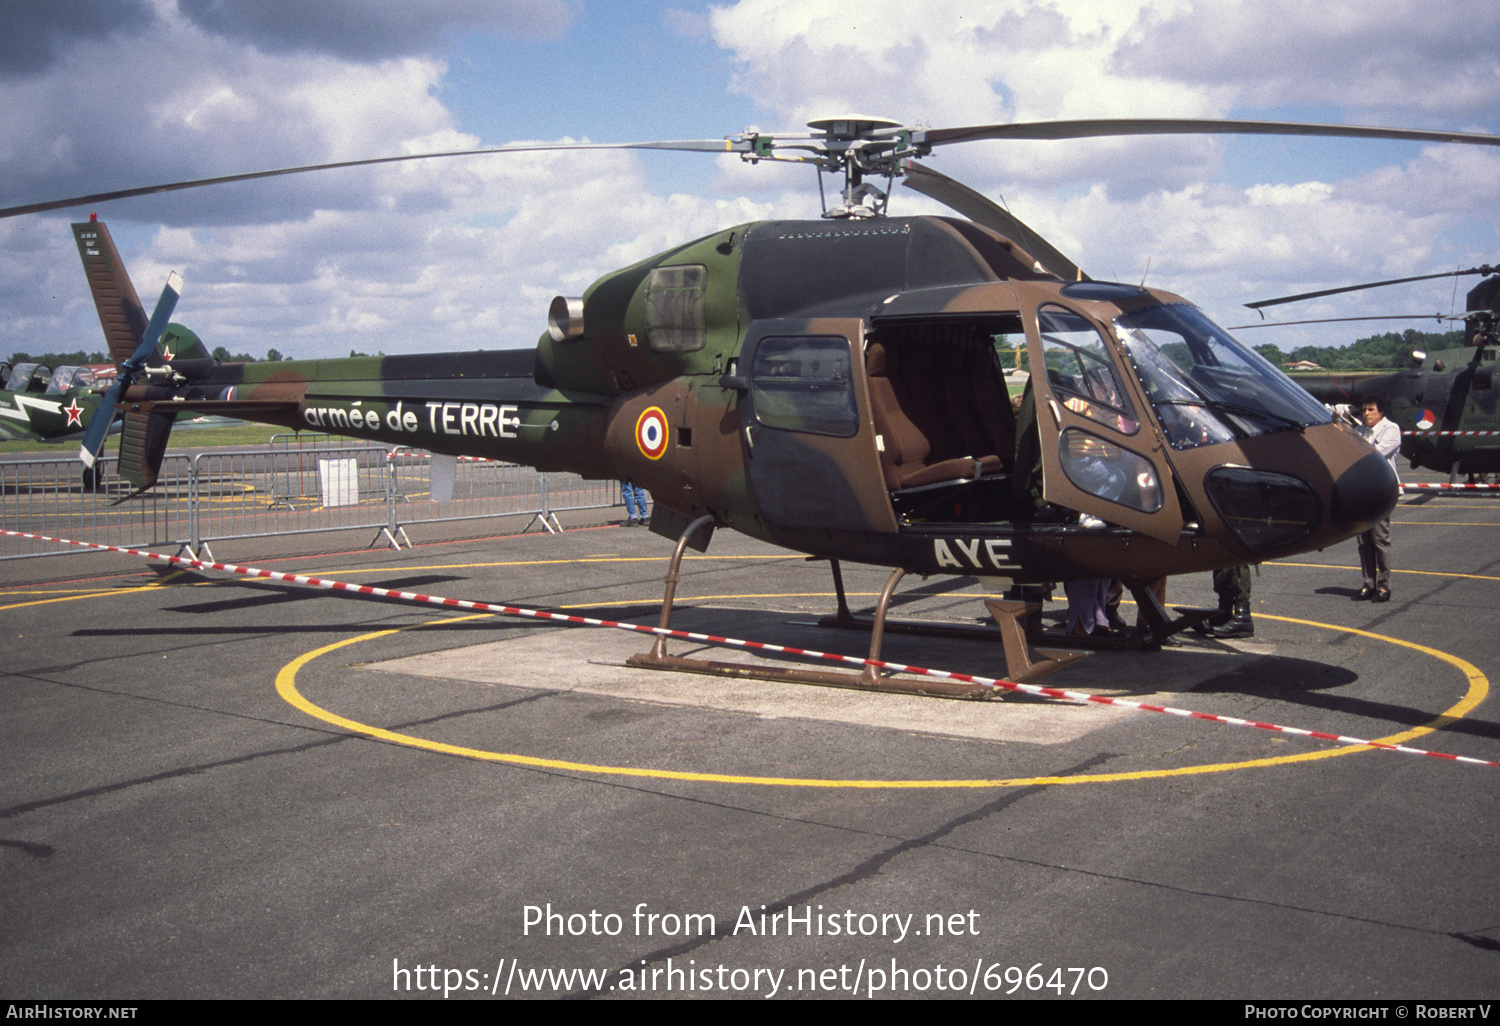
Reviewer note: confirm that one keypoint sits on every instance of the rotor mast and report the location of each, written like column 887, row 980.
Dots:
column 860, row 145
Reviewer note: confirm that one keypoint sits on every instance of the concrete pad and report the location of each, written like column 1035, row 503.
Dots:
column 592, row 662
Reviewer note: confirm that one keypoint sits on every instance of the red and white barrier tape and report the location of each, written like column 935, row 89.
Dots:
column 760, row 646
column 1441, row 487
column 1452, row 434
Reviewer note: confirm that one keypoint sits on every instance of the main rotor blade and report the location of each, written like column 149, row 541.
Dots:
column 1110, row 127
column 762, row 148
column 981, row 209
column 689, row 145
column 1483, row 269
column 1339, row 320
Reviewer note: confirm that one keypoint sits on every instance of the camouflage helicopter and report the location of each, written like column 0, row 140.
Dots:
column 831, row 386
column 1446, row 403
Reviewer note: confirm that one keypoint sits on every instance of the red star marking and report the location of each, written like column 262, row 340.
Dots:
column 166, row 354
column 74, row 411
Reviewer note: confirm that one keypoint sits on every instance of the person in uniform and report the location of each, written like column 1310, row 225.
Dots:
column 1233, row 619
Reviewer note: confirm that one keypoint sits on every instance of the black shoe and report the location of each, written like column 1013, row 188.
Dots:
column 1365, row 595
column 1238, row 625
column 1383, row 595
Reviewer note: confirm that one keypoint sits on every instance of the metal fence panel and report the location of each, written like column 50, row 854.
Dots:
column 489, row 488
column 283, row 489
column 569, row 491
column 47, row 497
column 258, row 494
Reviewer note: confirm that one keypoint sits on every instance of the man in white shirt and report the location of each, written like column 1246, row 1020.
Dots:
column 1375, row 544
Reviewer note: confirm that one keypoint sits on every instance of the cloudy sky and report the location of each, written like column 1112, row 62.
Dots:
column 466, row 253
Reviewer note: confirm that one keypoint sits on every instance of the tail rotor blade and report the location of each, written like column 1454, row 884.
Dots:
column 104, row 414
column 158, row 323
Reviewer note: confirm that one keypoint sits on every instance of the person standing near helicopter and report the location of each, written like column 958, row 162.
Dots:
column 1375, row 544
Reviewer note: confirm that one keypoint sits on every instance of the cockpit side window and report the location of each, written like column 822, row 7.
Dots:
column 804, row 384
column 1205, row 386
column 1081, row 372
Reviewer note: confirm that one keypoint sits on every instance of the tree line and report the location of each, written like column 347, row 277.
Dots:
column 1374, row 352
column 81, row 356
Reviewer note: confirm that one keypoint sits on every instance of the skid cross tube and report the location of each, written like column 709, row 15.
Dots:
column 868, row 679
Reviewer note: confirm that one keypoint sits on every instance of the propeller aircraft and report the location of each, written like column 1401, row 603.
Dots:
column 831, row 386
column 42, row 405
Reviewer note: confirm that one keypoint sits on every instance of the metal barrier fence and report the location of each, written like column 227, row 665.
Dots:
column 430, row 488
column 259, row 494
column 301, row 449
column 48, row 497
column 280, row 490
column 569, row 491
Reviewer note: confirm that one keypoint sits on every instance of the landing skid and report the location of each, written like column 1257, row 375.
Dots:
column 1023, row 663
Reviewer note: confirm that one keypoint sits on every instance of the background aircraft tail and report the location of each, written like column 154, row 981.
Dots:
column 133, row 346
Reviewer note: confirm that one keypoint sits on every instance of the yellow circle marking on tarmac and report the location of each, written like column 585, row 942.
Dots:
column 286, row 686
column 286, row 680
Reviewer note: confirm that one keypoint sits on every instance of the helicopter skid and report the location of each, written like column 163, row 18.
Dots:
column 1110, row 642
column 1023, row 663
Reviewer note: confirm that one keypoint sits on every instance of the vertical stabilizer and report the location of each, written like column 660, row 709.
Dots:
column 120, row 311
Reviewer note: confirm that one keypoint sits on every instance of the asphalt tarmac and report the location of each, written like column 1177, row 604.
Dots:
column 220, row 787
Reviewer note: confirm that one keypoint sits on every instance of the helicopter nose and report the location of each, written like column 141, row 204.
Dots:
column 1364, row 494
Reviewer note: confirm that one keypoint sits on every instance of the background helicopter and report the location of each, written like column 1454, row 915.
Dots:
column 831, row 386
column 1447, row 402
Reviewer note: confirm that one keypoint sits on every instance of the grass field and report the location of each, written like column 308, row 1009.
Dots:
column 182, row 437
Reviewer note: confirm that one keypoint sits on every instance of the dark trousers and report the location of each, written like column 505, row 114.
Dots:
column 1375, row 555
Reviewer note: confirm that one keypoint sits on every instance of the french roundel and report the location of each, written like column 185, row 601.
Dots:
column 651, row 433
